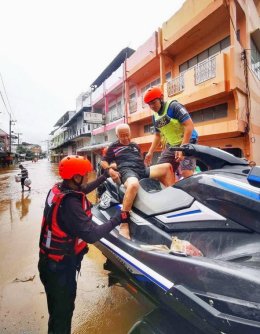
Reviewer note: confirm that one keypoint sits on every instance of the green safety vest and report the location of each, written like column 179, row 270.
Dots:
column 170, row 128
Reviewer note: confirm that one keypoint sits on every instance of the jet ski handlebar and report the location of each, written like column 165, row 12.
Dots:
column 212, row 157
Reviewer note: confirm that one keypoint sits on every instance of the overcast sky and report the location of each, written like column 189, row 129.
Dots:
column 52, row 50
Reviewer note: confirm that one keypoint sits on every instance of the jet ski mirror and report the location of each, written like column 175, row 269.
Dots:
column 254, row 176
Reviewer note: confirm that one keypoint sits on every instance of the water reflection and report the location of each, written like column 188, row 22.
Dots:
column 23, row 205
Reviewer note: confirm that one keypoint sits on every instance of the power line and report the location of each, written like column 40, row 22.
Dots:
column 11, row 112
column 5, row 104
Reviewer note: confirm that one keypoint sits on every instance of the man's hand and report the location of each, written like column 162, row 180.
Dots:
column 116, row 219
column 114, row 175
column 113, row 165
column 148, row 159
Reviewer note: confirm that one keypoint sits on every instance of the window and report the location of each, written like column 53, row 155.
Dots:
column 149, row 128
column 151, row 84
column 203, row 55
column 211, row 113
column 192, row 62
column 255, row 59
column 213, row 50
column 225, row 43
column 120, row 111
column 168, row 76
column 132, row 103
column 183, row 67
column 155, row 82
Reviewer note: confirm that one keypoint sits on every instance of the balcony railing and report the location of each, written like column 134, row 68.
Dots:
column 176, row 85
column 205, row 70
column 132, row 106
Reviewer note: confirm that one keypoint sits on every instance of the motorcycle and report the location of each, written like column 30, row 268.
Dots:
column 195, row 246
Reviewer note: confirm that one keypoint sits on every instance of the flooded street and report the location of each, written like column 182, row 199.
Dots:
column 23, row 309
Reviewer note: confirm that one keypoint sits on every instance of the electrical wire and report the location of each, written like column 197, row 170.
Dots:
column 5, row 104
column 11, row 112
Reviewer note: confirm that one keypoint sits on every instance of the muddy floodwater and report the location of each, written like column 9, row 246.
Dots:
column 23, row 309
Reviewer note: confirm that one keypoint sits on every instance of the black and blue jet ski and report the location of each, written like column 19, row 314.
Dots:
column 215, row 289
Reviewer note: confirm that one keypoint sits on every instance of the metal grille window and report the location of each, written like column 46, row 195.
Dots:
column 175, row 86
column 211, row 113
column 205, row 70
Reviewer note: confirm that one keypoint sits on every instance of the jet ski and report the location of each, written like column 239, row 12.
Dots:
column 195, row 246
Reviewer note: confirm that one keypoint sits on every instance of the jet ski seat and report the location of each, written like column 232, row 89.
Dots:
column 158, row 201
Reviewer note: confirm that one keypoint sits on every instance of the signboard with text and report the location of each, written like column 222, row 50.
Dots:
column 91, row 117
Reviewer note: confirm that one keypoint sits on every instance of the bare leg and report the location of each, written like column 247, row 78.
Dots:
column 163, row 173
column 132, row 186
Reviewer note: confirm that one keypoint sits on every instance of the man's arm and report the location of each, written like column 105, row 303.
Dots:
column 114, row 174
column 94, row 184
column 178, row 111
column 75, row 221
column 155, row 143
column 188, row 128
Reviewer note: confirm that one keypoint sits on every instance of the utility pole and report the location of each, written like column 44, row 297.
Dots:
column 11, row 122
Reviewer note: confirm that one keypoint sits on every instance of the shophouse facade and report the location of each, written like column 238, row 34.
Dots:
column 98, row 111
column 71, row 133
column 206, row 56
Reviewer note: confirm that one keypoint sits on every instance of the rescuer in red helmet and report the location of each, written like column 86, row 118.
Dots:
column 171, row 121
column 66, row 228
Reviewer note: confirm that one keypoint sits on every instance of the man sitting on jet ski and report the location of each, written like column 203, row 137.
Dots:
column 124, row 163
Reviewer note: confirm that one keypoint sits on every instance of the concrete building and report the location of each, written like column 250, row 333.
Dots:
column 206, row 56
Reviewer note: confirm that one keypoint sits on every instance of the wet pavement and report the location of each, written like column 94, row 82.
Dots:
column 23, row 309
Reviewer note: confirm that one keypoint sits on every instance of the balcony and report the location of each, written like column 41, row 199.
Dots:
column 109, row 126
column 138, row 111
column 175, row 85
column 206, row 81
column 205, row 70
column 132, row 106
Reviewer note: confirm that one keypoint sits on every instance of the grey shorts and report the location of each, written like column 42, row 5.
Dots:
column 188, row 163
column 168, row 156
column 139, row 174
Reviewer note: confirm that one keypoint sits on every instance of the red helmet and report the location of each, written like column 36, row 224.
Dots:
column 152, row 94
column 74, row 165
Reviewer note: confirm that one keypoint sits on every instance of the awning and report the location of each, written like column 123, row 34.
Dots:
column 94, row 147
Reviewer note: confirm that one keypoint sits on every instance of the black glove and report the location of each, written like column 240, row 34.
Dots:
column 116, row 219
column 106, row 173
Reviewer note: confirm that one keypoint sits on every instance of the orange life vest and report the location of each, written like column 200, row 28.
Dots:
column 54, row 242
